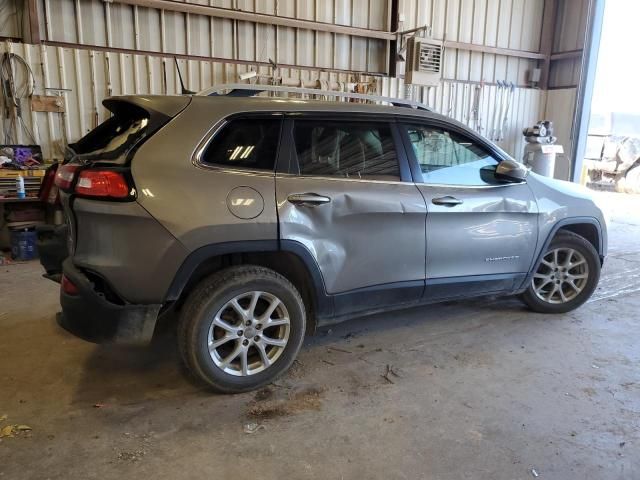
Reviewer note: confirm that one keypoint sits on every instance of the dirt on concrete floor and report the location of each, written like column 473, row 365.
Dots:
column 480, row 389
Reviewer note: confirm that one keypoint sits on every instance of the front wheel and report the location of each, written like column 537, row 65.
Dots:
column 566, row 276
column 241, row 328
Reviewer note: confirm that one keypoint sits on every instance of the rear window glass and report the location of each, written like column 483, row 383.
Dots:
column 116, row 135
column 346, row 149
column 245, row 143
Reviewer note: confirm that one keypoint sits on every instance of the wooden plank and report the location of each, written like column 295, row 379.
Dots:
column 47, row 103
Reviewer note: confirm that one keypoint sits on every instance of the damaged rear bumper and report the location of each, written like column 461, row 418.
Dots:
column 90, row 316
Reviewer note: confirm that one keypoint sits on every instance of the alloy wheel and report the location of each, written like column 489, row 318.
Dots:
column 249, row 333
column 562, row 275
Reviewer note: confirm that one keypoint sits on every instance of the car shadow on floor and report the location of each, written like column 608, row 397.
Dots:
column 455, row 314
column 129, row 375
column 133, row 375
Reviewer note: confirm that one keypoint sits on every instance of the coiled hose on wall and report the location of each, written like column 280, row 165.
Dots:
column 18, row 83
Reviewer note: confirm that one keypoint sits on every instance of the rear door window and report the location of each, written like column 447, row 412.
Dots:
column 248, row 143
column 361, row 150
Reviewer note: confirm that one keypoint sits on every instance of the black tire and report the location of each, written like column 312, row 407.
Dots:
column 211, row 295
column 565, row 239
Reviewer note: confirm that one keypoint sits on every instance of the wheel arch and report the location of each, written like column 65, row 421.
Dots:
column 588, row 231
column 587, row 227
column 289, row 258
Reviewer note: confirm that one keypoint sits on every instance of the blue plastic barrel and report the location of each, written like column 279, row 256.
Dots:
column 23, row 244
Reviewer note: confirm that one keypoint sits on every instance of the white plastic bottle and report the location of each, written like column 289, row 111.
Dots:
column 20, row 187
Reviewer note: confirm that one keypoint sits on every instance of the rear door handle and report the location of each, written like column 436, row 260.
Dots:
column 308, row 199
column 447, row 201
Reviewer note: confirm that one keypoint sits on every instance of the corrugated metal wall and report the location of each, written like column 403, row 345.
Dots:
column 10, row 19
column 564, row 75
column 571, row 24
column 560, row 107
column 89, row 75
column 85, row 77
column 93, row 22
column 514, row 24
column 455, row 99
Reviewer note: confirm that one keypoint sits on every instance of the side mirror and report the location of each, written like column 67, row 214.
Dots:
column 511, row 171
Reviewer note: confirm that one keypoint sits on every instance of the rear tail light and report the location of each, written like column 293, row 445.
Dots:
column 65, row 176
column 93, row 182
column 102, row 183
column 68, row 286
column 48, row 190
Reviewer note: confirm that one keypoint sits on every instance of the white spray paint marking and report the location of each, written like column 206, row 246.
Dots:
column 611, row 294
column 626, row 276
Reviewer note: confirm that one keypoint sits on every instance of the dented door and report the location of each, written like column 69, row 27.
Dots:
column 369, row 233
column 362, row 232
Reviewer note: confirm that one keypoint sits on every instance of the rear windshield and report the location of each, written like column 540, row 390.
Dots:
column 115, row 136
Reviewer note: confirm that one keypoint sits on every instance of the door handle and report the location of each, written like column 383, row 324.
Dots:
column 308, row 199
column 447, row 201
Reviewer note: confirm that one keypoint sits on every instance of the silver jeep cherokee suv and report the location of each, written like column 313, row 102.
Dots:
column 260, row 219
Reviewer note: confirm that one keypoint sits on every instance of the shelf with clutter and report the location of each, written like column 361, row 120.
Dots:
column 21, row 209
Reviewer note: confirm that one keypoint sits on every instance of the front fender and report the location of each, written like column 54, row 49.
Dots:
column 567, row 222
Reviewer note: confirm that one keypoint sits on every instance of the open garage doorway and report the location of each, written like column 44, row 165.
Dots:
column 612, row 153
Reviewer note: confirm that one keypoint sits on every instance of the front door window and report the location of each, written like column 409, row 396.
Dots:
column 446, row 158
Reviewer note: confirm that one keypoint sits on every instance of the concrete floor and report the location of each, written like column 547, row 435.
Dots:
column 484, row 390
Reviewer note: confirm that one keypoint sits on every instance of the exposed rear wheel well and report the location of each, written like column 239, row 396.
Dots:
column 588, row 231
column 286, row 264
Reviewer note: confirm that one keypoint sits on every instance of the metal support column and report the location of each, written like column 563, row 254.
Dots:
column 585, row 89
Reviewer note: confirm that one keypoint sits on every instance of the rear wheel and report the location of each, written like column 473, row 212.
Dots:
column 566, row 276
column 241, row 328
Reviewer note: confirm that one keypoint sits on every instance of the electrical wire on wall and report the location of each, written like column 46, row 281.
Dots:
column 15, row 88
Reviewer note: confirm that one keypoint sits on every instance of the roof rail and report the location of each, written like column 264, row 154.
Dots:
column 250, row 90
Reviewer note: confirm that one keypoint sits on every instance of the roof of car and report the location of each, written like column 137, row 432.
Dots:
column 302, row 104
column 171, row 104
column 230, row 105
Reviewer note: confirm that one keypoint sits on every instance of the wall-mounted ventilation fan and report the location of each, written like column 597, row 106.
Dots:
column 424, row 62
